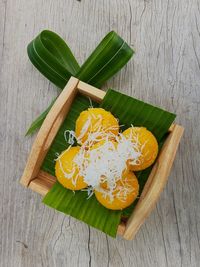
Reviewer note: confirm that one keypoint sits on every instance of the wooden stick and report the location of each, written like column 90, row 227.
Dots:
column 121, row 228
column 48, row 131
column 42, row 183
column 155, row 183
column 91, row 91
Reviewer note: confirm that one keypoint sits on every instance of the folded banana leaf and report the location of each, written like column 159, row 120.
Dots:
column 107, row 59
column 129, row 111
column 53, row 58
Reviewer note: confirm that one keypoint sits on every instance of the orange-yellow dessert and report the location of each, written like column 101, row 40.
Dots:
column 123, row 195
column 95, row 121
column 147, row 145
column 67, row 171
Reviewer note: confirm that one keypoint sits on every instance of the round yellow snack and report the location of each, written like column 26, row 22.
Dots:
column 67, row 171
column 124, row 194
column 95, row 120
column 147, row 145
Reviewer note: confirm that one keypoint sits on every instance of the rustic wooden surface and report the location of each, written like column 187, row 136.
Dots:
column 165, row 71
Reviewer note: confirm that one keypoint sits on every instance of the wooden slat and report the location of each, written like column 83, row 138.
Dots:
column 42, row 183
column 121, row 228
column 48, row 131
column 171, row 128
column 91, row 91
column 155, row 183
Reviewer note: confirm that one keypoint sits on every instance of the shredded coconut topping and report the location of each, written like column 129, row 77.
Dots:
column 102, row 159
column 70, row 137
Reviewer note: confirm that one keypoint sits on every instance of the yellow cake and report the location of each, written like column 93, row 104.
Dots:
column 95, row 123
column 123, row 195
column 67, row 171
column 147, row 145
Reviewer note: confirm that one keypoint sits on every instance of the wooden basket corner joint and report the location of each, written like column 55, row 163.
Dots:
column 41, row 182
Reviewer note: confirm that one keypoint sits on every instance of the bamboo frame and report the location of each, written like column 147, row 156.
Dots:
column 41, row 182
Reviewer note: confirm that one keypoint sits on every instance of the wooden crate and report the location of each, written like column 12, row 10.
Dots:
column 41, row 182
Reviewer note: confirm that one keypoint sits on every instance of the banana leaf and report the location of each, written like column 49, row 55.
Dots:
column 78, row 206
column 53, row 58
column 129, row 111
column 107, row 59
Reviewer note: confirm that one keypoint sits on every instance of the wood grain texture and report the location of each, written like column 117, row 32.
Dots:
column 165, row 71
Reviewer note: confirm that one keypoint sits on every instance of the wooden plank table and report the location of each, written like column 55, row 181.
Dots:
column 165, row 71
